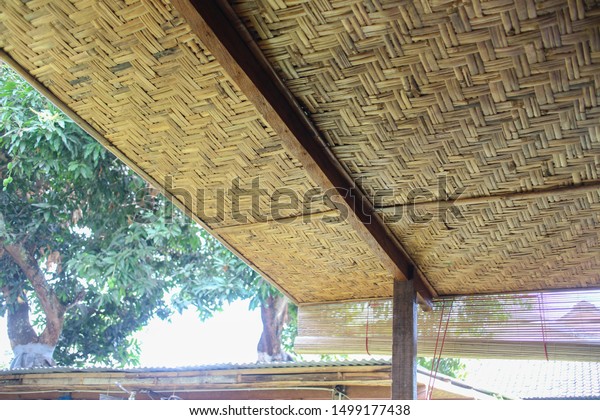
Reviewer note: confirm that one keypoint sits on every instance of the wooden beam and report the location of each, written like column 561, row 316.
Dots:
column 404, row 342
column 488, row 199
column 219, row 29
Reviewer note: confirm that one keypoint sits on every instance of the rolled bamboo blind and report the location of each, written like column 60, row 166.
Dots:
column 552, row 325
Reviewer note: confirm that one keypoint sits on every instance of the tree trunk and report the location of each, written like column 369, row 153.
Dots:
column 30, row 349
column 20, row 331
column 27, row 349
column 274, row 314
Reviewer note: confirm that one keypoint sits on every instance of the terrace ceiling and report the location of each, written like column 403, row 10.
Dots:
column 337, row 145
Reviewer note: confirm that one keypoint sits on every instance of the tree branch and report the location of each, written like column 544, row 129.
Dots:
column 50, row 304
column 77, row 300
column 2, row 228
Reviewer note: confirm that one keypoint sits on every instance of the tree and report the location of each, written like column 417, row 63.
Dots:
column 450, row 366
column 91, row 251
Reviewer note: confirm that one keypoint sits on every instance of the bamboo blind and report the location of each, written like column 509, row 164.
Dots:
column 552, row 325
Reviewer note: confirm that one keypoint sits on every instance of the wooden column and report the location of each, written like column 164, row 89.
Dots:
column 404, row 341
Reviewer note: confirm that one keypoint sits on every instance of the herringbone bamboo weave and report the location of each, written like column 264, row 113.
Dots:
column 323, row 258
column 430, row 100
column 420, row 101
column 545, row 243
column 137, row 74
column 497, row 96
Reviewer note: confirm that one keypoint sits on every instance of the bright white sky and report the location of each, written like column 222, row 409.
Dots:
column 5, row 352
column 230, row 336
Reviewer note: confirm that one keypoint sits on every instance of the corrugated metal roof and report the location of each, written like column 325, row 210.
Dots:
column 243, row 366
column 219, row 366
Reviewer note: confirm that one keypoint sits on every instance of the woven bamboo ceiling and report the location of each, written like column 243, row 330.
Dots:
column 338, row 144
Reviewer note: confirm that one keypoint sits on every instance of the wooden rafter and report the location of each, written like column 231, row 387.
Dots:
column 226, row 38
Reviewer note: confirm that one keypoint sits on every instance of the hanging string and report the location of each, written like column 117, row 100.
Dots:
column 437, row 340
column 433, row 378
column 367, row 329
column 543, row 320
column 370, row 306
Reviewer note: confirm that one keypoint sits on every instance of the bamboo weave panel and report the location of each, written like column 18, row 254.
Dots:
column 494, row 96
column 550, row 242
column 316, row 260
column 421, row 100
column 139, row 76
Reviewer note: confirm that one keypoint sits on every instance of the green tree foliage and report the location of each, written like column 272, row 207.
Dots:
column 452, row 367
column 88, row 247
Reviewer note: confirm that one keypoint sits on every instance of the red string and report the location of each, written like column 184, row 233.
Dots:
column 369, row 306
column 543, row 319
column 437, row 340
column 439, row 358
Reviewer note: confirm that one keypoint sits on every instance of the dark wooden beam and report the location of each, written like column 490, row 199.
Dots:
column 404, row 342
column 229, row 42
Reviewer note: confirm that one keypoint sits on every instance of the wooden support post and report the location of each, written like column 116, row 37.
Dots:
column 404, row 341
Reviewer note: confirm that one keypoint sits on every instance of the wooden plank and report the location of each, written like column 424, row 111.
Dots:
column 237, row 394
column 358, row 392
column 256, row 378
column 256, row 394
column 225, row 36
column 404, row 342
